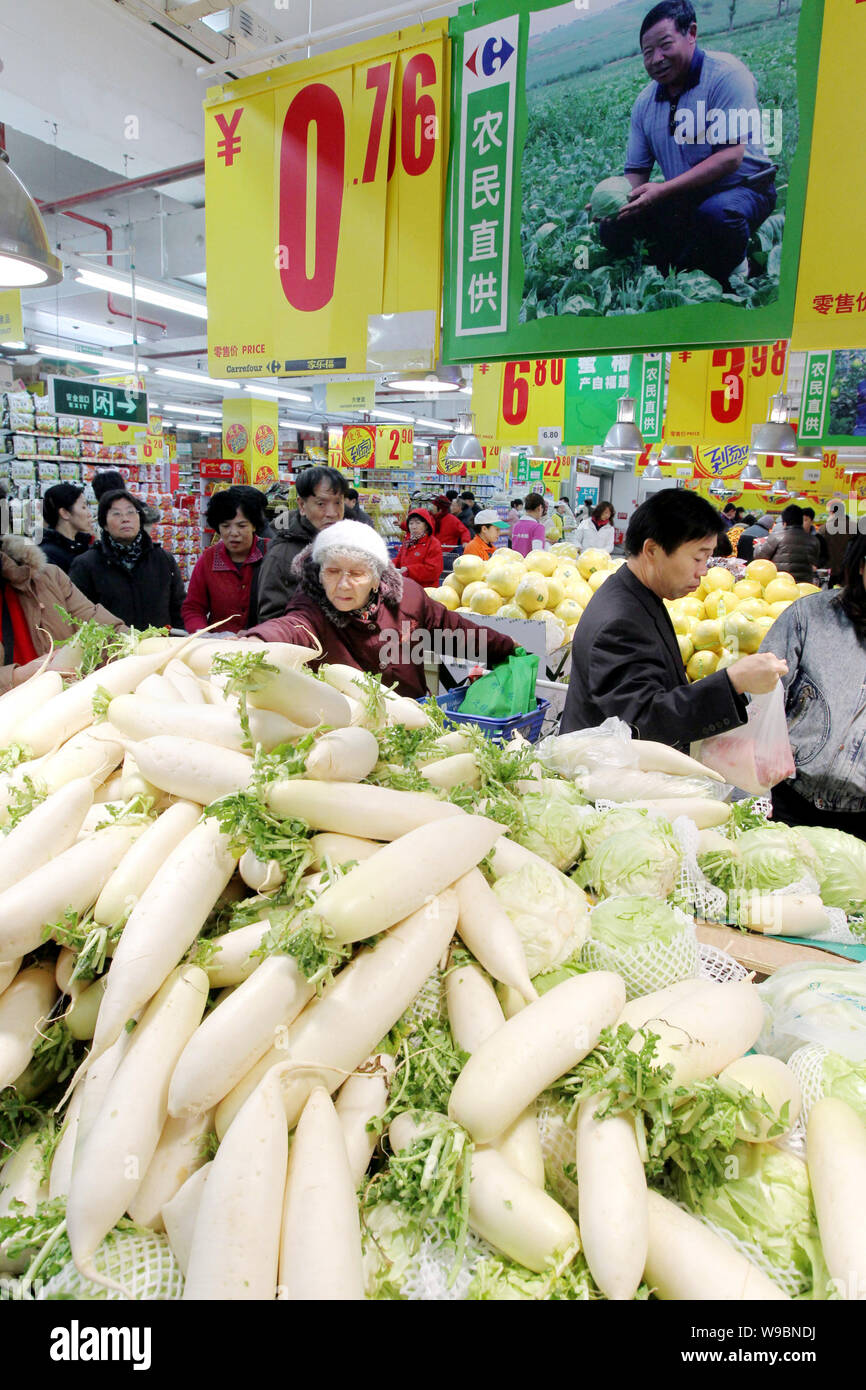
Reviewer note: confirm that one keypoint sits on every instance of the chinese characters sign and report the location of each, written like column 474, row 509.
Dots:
column 833, row 408
column 593, row 385
column 80, row 397
column 720, row 395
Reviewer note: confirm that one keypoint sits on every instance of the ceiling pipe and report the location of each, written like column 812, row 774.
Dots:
column 144, row 181
column 109, row 251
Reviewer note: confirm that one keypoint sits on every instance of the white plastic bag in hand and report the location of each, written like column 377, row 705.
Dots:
column 757, row 755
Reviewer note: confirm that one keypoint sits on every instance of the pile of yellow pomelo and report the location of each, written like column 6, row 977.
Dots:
column 552, row 586
column 726, row 618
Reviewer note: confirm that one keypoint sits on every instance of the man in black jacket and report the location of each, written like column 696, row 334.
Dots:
column 321, row 496
column 126, row 571
column 625, row 658
column 68, row 529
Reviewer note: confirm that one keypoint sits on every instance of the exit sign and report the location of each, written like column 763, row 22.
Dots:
column 72, row 396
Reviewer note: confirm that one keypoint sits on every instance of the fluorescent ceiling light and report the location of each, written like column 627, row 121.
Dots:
column 93, row 359
column 299, row 425
column 303, row 397
column 199, row 378
column 192, row 410
column 392, row 415
column 97, row 336
column 435, row 424
column 443, row 379
column 18, row 347
column 219, row 22
column 146, row 293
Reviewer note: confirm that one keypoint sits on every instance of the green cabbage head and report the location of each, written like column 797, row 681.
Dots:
column 609, row 196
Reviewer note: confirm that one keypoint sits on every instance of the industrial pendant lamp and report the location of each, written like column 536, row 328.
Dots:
column 25, row 257
column 464, row 445
column 677, row 453
column 776, row 436
column 751, row 474
column 652, row 473
column 624, row 437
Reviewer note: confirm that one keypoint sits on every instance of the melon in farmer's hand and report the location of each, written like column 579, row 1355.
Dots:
column 469, row 568
column 540, row 562
column 609, row 197
column 591, row 560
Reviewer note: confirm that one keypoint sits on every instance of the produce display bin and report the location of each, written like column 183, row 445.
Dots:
column 499, row 730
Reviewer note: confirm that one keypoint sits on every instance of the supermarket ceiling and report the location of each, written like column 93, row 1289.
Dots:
column 97, row 92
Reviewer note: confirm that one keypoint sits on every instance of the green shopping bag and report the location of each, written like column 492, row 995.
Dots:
column 507, row 690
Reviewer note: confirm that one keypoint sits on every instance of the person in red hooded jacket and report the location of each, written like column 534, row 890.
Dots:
column 450, row 531
column 420, row 557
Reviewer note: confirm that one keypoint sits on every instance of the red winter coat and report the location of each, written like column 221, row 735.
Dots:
column 450, row 531
column 402, row 611
column 421, row 560
column 219, row 589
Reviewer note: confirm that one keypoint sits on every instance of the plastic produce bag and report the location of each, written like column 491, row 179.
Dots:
column 507, row 690
column 587, row 750
column 757, row 755
column 823, row 1004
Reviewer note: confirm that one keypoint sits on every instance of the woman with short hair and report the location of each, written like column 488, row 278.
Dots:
column 223, row 587
column 596, row 531
column 128, row 572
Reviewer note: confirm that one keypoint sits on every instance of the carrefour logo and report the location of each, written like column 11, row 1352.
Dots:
column 494, row 55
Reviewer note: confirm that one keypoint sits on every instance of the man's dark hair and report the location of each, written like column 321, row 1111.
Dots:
column 749, row 519
column 682, row 12
column 852, row 597
column 452, row 494
column 310, row 478
column 224, row 505
column 118, row 494
column 792, row 516
column 517, row 501
column 352, row 494
column 809, row 512
column 63, row 495
column 467, row 496
column 728, row 507
column 108, row 481
column 532, row 501
column 739, row 513
column 671, row 518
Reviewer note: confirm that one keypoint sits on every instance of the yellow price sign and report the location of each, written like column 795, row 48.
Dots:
column 512, row 401
column 491, row 463
column 719, row 395
column 325, row 203
column 359, row 446
column 395, row 446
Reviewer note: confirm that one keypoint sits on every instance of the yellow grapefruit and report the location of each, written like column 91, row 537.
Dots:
column 469, row 568
column 446, row 596
column 452, row 582
column 472, row 588
column 720, row 603
column 686, row 646
column 555, row 591
column 693, row 606
column 762, row 571
column 512, row 610
column 540, row 562
column 742, row 634
column 579, row 590
column 596, row 579
column 531, row 593
column 777, row 609
column 564, row 548
column 485, row 600
column 754, row 608
column 804, row 589
column 567, row 572
column 707, row 634
column 505, row 578
column 568, row 611
column 701, row 664
column 717, row 578
column 779, row 589
column 591, row 560
column 748, row 588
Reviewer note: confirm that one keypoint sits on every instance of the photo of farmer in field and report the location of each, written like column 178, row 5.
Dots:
column 848, row 395
column 642, row 195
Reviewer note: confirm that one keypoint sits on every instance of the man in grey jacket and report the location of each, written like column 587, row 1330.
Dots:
column 321, row 494
column 754, row 534
column 793, row 549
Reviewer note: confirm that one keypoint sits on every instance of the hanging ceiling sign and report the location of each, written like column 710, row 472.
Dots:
column 545, row 107
column 720, row 395
column 324, row 201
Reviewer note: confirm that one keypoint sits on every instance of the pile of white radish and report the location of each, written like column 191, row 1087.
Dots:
column 237, row 1104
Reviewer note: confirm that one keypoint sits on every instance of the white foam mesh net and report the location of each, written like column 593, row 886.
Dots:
column 807, row 1064
column 141, row 1261
column 694, row 889
column 648, row 967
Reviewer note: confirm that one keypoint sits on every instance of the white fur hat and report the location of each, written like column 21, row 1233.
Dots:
column 353, row 538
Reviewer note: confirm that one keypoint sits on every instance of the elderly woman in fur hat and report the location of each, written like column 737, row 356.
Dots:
column 352, row 600
column 31, row 592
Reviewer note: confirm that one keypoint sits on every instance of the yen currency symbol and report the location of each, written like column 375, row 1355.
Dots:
column 230, row 145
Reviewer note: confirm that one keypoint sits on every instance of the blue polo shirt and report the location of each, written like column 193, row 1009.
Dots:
column 718, row 107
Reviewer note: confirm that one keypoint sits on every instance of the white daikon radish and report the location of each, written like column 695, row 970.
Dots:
column 490, row 934
column 444, row 747
column 9, row 969
column 474, row 1013
column 347, row 755
column 508, row 857
column 179, row 1153
column 133, row 784
column 22, row 1179
column 190, row 768
column 84, row 755
column 93, row 1086
column 236, row 1239
column 836, row 1156
column 141, row 862
column 261, row 876
column 771, row 1079
column 687, row 1262
column 613, row 1212
column 61, row 1164
column 233, row 1037
column 110, row 790
column 24, row 700
column 50, row 828
column 138, row 718
column 201, row 654
column 658, row 757
column 163, row 925
column 120, row 1144
column 533, row 1049
column 341, row 849
column 320, row 1244
column 180, row 1213
column 158, row 687
column 72, row 881
column 701, row 1025
column 460, row 770
column 302, row 698
column 351, row 681
column 361, row 1099
column 376, row 813
column 148, row 645
column 339, row 1029
column 184, row 683
column 24, row 1008
column 403, row 875
column 783, row 914
column 703, row 810
column 81, row 1015
column 231, row 959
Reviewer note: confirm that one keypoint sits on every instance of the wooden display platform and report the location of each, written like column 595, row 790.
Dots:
column 764, row 954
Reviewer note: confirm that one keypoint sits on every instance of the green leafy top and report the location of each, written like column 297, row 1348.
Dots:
column 12, row 755
column 22, row 800
column 247, row 672
column 745, row 815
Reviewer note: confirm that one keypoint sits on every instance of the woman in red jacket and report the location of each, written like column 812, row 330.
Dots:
column 420, row 557
column 225, row 581
column 450, row 531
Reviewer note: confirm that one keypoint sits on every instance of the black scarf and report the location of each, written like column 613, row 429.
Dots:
column 126, row 553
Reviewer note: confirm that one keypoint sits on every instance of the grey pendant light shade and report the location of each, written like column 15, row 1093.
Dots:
column 752, row 474
column 464, row 446
column 652, row 473
column 677, row 453
column 624, row 437
column 25, row 256
column 776, row 436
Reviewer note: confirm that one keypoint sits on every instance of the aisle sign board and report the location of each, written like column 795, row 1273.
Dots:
column 349, row 396
column 395, row 446
column 93, row 401
column 721, row 395
column 11, row 321
column 831, row 289
column 833, row 403
column 324, row 204
column 547, row 101
column 513, row 401
column 593, row 386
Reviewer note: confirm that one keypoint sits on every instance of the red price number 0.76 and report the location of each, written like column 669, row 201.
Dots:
column 319, row 106
column 726, row 403
column 516, row 381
